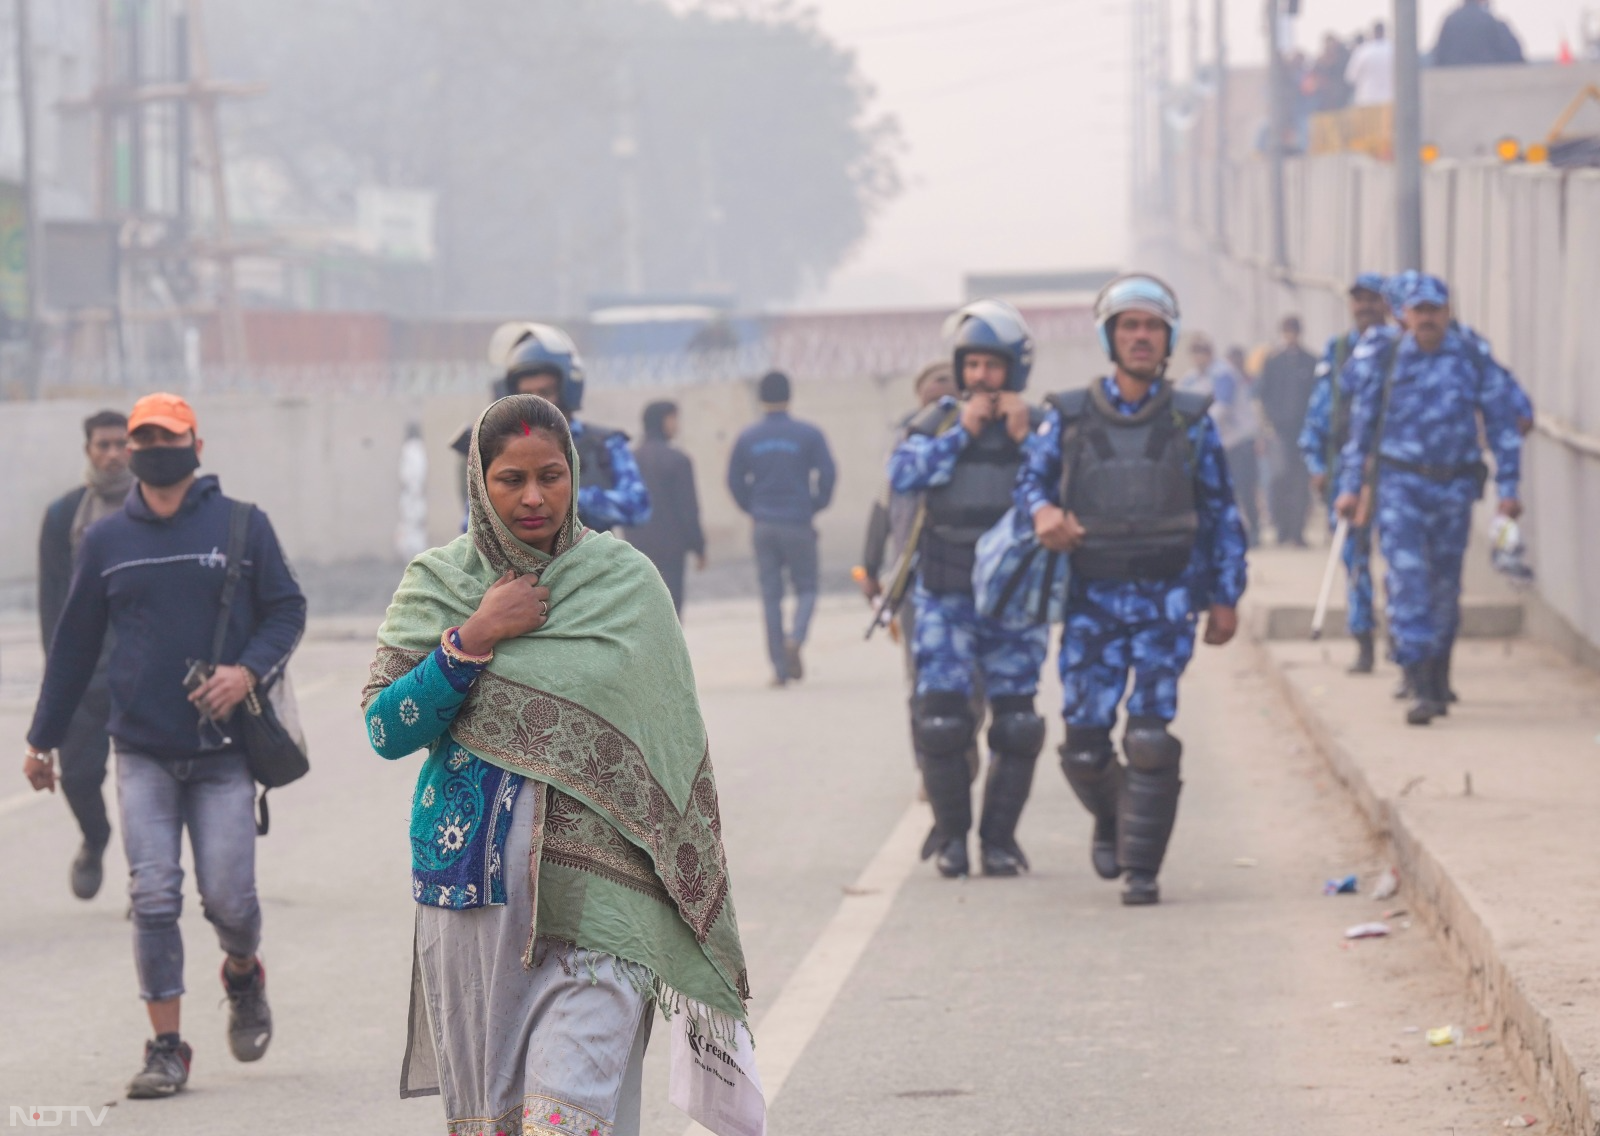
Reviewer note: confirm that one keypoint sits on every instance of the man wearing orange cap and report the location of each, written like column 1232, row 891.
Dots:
column 152, row 575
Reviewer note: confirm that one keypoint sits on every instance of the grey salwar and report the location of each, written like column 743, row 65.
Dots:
column 556, row 1048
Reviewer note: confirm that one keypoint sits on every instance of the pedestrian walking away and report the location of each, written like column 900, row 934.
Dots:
column 1288, row 378
column 1418, row 401
column 672, row 533
column 152, row 576
column 84, row 750
column 567, row 867
column 782, row 474
column 1322, row 438
column 1130, row 477
column 962, row 454
column 1233, row 408
column 543, row 360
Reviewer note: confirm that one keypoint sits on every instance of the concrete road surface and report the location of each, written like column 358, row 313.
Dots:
column 887, row 1000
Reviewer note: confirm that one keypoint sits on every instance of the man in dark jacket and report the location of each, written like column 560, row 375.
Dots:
column 673, row 531
column 1287, row 379
column 782, row 474
column 152, row 575
column 84, row 751
column 1472, row 36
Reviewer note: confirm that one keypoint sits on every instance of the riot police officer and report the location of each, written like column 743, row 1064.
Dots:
column 611, row 492
column 1322, row 437
column 1418, row 399
column 1129, row 475
column 963, row 454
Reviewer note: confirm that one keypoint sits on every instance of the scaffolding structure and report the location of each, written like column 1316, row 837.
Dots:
column 157, row 140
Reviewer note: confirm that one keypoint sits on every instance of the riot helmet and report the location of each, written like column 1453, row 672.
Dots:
column 993, row 327
column 543, row 349
column 1135, row 292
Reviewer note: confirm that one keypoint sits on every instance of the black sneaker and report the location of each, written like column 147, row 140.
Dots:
column 166, row 1070
column 88, row 870
column 1140, row 890
column 249, row 1016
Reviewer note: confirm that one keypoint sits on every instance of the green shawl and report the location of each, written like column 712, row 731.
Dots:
column 600, row 705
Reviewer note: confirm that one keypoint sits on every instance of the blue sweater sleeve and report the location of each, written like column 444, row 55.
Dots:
column 280, row 606
column 74, row 650
column 1503, row 405
column 739, row 474
column 413, row 711
column 826, row 473
column 627, row 502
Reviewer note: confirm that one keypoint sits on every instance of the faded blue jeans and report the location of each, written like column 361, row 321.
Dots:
column 214, row 797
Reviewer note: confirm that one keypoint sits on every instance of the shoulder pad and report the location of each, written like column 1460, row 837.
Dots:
column 1373, row 343
column 1036, row 417
column 1191, row 405
column 929, row 420
column 1070, row 404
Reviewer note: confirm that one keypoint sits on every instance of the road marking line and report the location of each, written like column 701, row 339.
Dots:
column 797, row 1014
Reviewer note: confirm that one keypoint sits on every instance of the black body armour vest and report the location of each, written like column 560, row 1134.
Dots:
column 1130, row 480
column 968, row 505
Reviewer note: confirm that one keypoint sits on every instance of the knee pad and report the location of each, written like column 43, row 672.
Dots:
column 1015, row 729
column 1150, row 748
column 1087, row 752
column 942, row 724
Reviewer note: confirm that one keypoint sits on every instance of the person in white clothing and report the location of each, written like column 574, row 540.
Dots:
column 1371, row 69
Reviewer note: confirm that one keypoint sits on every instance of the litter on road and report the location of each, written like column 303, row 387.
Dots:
column 1523, row 1121
column 1347, row 885
column 1387, row 885
column 1367, row 931
column 1445, row 1035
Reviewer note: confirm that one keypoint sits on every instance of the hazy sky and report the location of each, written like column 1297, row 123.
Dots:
column 1014, row 115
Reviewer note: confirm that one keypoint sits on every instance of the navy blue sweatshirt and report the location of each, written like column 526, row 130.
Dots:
column 157, row 585
column 781, row 471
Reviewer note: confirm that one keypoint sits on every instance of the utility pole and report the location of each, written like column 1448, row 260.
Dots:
column 1220, row 134
column 1407, row 135
column 1163, row 101
column 30, row 186
column 1278, row 119
column 1138, row 171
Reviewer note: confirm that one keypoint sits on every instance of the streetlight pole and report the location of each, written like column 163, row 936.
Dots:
column 1407, row 135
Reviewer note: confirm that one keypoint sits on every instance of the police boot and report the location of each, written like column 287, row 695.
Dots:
column 943, row 727
column 1423, row 680
column 1147, row 808
column 1365, row 656
column 1016, row 735
column 1094, row 774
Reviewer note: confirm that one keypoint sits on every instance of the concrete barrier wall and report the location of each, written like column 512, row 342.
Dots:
column 1521, row 248
column 326, row 469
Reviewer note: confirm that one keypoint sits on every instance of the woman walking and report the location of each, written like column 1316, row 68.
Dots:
column 567, row 859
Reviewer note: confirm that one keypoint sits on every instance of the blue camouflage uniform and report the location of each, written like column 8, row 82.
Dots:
column 1326, row 428
column 1147, row 626
column 614, row 496
column 950, row 639
column 1419, row 415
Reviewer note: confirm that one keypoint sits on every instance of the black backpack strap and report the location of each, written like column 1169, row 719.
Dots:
column 238, row 535
column 1073, row 406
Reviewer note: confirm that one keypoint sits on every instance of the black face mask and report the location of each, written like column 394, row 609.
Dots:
column 161, row 466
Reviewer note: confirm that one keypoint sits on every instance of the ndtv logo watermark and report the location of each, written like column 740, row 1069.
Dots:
column 56, row 1115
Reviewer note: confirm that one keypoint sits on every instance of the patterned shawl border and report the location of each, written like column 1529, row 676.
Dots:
column 500, row 706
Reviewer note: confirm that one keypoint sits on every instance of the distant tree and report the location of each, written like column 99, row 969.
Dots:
column 575, row 149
